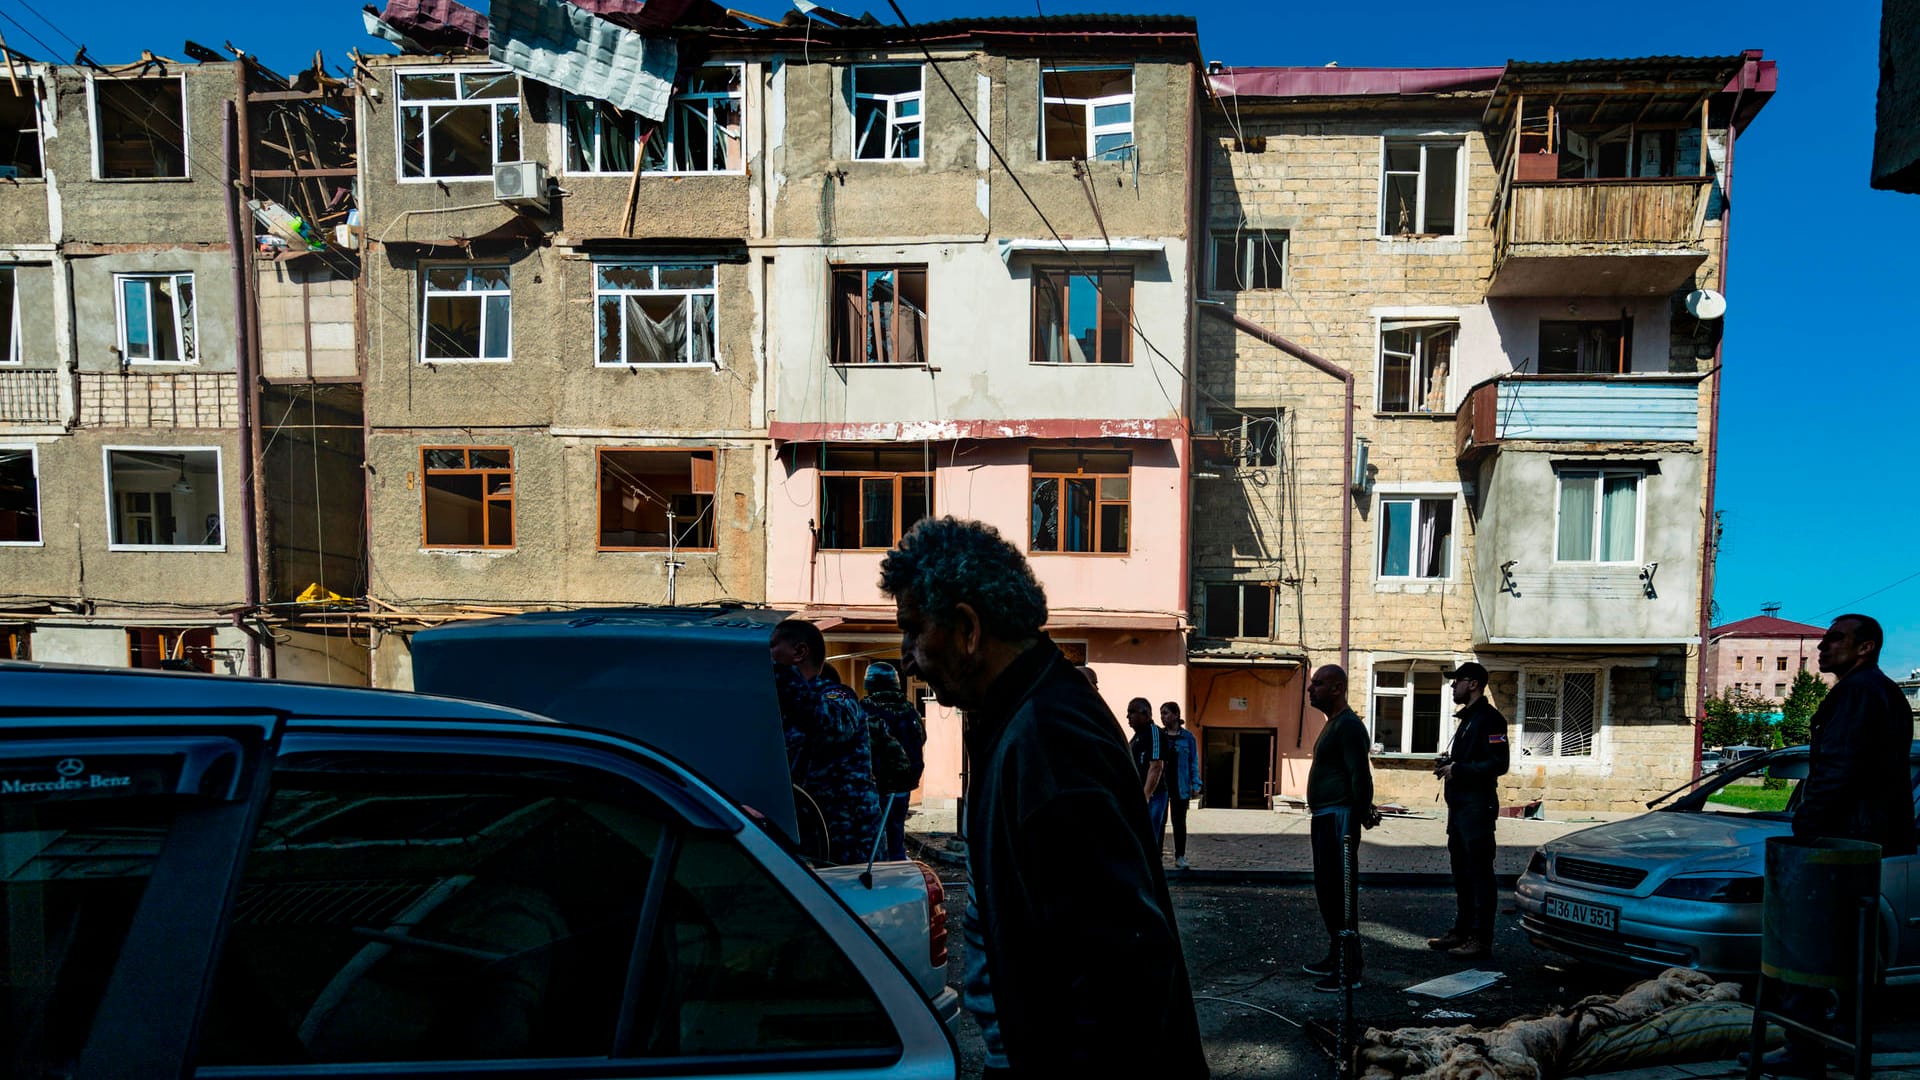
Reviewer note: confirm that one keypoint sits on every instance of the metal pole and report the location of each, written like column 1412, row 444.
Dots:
column 673, row 562
column 243, row 374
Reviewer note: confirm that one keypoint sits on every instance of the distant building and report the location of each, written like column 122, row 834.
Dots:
column 1762, row 655
column 1896, row 147
column 1910, row 686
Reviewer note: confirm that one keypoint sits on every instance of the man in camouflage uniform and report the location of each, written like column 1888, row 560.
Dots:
column 827, row 744
column 906, row 735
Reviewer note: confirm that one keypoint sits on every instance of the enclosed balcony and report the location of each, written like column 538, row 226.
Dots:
column 1581, row 409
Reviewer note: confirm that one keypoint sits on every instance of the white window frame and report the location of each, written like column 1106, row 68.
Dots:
column 1518, row 736
column 1127, row 151
column 666, row 130
column 428, row 292
column 93, row 142
column 492, row 104
column 1419, row 365
column 1459, row 144
column 1416, row 494
column 16, row 352
column 1404, row 692
column 654, row 267
column 1244, row 261
column 192, row 314
column 1600, row 474
column 220, row 478
column 894, row 119
column 39, row 500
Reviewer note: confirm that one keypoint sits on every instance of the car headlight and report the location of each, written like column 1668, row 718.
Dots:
column 1713, row 890
column 1538, row 864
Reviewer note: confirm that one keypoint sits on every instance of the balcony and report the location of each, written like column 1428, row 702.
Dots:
column 30, row 396
column 1576, row 409
column 1619, row 237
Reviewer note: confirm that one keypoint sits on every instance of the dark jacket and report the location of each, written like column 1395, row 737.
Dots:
column 1858, row 784
column 1082, row 949
column 1481, row 755
column 1341, row 774
column 897, row 716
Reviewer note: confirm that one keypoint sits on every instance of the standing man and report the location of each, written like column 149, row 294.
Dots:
column 1471, row 769
column 828, row 749
column 1340, row 797
column 889, row 710
column 1857, row 788
column 1182, row 776
column 1149, row 751
column 1079, row 970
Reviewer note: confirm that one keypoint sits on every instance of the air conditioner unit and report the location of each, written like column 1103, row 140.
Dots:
column 521, row 183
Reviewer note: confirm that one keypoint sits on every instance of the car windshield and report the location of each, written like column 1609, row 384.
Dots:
column 1764, row 783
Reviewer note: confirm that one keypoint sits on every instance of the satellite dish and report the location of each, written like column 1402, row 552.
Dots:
column 1706, row 304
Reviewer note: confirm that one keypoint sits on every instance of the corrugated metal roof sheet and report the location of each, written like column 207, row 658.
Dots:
column 564, row 46
column 1300, row 82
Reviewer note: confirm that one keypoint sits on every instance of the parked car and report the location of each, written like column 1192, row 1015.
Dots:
column 1681, row 886
column 1710, row 760
column 254, row 878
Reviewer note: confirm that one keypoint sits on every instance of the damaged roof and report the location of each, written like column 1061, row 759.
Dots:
column 1309, row 82
column 1007, row 32
column 1646, row 88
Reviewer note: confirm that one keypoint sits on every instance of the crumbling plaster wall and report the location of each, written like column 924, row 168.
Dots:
column 24, row 200
column 97, row 312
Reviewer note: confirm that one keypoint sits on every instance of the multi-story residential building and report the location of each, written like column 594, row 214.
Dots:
column 128, row 535
column 1460, row 410
column 1762, row 656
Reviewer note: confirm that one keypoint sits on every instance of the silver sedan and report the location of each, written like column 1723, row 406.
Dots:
column 1681, row 886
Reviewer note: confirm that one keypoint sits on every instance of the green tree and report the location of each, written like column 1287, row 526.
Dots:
column 1796, row 715
column 1735, row 718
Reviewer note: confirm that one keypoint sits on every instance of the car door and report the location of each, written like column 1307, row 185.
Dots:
column 120, row 843
column 459, row 904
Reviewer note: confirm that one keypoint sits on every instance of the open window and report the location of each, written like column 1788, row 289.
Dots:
column 1248, row 259
column 871, row 496
column 1243, row 438
column 701, row 132
column 140, row 127
column 11, row 352
column 1082, row 502
column 1086, row 113
column 19, row 495
column 1416, row 356
column 656, row 313
column 888, row 101
column 1082, row 317
column 879, row 315
column 1409, row 709
column 1599, row 516
column 1420, row 187
column 1239, row 609
column 1416, row 537
column 162, row 649
column 652, row 500
column 469, row 314
column 457, row 123
column 156, row 316
column 20, row 156
column 466, row 497
column 164, row 498
column 1586, row 347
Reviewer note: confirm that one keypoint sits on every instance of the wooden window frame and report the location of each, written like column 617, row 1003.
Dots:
column 840, row 350
column 1100, row 504
column 693, row 483
column 899, row 499
column 200, row 653
column 512, row 497
column 1064, row 276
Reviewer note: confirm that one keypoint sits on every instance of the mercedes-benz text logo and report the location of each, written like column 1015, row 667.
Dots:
column 72, row 766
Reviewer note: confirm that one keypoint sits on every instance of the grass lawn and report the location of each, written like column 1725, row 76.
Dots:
column 1751, row 797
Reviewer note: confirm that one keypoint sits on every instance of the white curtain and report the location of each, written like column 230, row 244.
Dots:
column 1619, row 518
column 1576, row 517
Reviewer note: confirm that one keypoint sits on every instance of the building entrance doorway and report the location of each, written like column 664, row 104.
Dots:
column 1237, row 769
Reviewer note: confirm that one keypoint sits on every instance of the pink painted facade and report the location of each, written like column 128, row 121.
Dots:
column 1762, row 655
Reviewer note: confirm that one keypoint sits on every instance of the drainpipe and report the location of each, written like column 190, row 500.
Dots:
column 1707, row 546
column 1189, row 398
column 243, row 372
column 1301, row 352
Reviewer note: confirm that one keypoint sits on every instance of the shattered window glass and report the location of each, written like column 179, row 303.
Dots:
column 469, row 314
column 1086, row 112
column 701, row 133
column 1420, row 188
column 879, row 315
column 156, row 318
column 887, row 100
column 655, row 313
column 457, row 125
column 1082, row 318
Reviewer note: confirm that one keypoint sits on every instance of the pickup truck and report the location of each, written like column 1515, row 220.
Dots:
column 228, row 877
column 695, row 684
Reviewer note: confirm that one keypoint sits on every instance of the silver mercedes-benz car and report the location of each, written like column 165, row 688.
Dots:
column 1681, row 886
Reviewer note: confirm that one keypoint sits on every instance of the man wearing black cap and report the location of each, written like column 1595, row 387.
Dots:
column 1471, row 769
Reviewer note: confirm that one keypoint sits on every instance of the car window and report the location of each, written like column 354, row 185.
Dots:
column 72, row 874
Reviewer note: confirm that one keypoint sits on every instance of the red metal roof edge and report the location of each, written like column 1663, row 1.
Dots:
column 1767, row 626
column 1298, row 82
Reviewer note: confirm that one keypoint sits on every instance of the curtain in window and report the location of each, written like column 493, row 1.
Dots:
column 1396, row 532
column 1436, row 536
column 1576, row 518
column 653, row 340
column 1618, row 518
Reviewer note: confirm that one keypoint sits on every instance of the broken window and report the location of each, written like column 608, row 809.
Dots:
column 1237, row 609
column 649, row 496
column 457, row 124
column 164, row 497
column 467, row 497
column 10, row 351
column 1416, row 537
column 152, row 647
column 1561, row 714
column 1408, row 717
column 880, row 315
column 140, row 128
column 1082, row 317
column 1599, row 516
column 1250, row 439
column 870, row 497
column 656, row 313
column 887, row 101
column 1245, row 259
column 156, row 318
column 469, row 314
column 1415, row 357
column 1595, row 347
column 19, row 495
column 1086, row 112
column 19, row 131
column 1420, row 187
column 701, row 132
column 1081, row 501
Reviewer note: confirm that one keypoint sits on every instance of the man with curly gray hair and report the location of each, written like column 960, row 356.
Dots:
column 1073, row 957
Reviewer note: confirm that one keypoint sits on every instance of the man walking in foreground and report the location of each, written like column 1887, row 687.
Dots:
column 1340, row 796
column 892, row 721
column 1182, row 775
column 1149, row 749
column 1074, row 966
column 1471, row 768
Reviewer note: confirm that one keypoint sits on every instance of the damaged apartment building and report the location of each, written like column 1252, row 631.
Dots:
column 133, row 530
column 724, row 330
column 1459, row 373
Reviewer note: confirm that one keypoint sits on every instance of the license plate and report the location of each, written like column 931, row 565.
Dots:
column 1591, row 916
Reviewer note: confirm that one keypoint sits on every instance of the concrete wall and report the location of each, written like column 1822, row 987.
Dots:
column 107, row 646
column 39, row 303
column 308, row 325
column 24, row 200
column 336, row 659
column 97, row 315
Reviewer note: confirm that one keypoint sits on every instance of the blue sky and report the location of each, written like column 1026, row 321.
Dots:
column 1821, row 405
